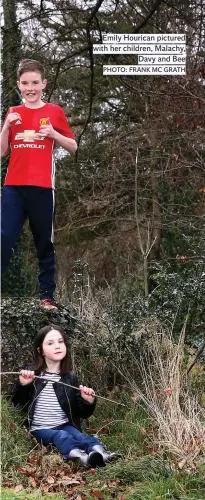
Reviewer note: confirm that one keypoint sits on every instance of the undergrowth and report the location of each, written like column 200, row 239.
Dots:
column 158, row 430
column 139, row 474
column 16, row 443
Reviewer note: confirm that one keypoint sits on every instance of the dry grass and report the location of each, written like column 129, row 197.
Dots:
column 179, row 419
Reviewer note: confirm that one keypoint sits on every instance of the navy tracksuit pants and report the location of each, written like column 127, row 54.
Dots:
column 36, row 203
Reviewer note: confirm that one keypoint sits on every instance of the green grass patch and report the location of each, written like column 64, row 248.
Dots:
column 7, row 494
column 15, row 442
column 121, row 430
column 171, row 485
column 171, row 488
column 128, row 471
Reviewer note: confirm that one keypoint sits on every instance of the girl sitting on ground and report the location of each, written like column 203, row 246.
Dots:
column 54, row 409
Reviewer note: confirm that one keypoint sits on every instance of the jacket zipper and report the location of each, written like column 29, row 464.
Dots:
column 69, row 407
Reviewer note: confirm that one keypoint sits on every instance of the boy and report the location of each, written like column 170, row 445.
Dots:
column 32, row 130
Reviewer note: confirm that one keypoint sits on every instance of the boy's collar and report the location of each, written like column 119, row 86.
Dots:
column 39, row 107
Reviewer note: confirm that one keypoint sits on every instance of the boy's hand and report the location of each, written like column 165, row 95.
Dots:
column 26, row 377
column 87, row 393
column 11, row 118
column 47, row 130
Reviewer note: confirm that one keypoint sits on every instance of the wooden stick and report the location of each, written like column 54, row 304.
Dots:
column 67, row 385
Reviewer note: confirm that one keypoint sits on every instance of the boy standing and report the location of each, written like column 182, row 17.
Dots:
column 32, row 130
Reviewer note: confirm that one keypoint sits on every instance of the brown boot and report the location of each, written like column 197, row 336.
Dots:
column 48, row 304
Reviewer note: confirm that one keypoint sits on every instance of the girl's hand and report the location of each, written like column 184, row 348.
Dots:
column 87, row 393
column 26, row 377
column 11, row 118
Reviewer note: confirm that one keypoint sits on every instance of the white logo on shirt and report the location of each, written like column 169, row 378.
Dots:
column 28, row 136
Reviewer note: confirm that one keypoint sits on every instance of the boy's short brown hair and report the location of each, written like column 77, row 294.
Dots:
column 30, row 65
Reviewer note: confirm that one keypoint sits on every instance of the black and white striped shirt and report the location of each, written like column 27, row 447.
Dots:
column 48, row 412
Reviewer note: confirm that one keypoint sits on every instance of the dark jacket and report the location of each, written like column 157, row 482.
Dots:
column 75, row 407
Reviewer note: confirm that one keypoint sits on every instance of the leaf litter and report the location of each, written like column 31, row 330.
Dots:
column 48, row 473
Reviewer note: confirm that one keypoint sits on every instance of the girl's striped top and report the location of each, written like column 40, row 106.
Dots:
column 48, row 412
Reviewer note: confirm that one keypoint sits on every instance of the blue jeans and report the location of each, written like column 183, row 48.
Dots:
column 65, row 438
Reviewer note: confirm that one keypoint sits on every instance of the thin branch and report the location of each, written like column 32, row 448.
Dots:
column 94, row 11
column 55, row 80
column 90, row 47
column 146, row 19
column 195, row 359
column 136, row 204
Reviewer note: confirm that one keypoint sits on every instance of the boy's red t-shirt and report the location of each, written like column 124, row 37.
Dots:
column 31, row 160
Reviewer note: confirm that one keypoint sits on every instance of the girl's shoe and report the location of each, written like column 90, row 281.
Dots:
column 77, row 453
column 107, row 456
column 95, row 459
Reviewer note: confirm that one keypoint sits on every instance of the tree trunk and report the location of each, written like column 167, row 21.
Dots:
column 13, row 281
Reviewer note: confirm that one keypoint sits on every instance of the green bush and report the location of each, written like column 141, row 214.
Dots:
column 177, row 295
column 20, row 321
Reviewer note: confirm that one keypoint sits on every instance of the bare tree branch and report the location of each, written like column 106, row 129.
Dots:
column 148, row 17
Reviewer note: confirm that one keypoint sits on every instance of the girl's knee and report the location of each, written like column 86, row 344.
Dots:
column 61, row 436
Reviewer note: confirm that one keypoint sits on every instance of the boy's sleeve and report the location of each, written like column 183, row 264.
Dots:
column 63, row 126
column 84, row 409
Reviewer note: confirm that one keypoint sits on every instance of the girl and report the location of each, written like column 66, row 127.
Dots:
column 54, row 410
